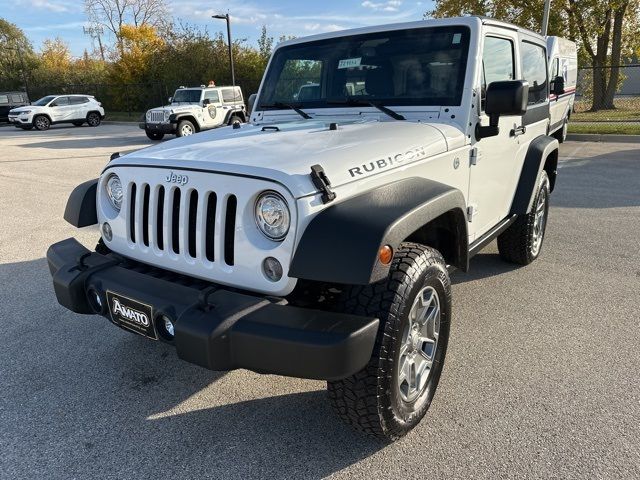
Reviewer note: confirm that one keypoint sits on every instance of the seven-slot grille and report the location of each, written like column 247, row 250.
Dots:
column 167, row 219
column 156, row 116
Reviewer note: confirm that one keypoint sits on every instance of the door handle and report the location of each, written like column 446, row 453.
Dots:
column 521, row 130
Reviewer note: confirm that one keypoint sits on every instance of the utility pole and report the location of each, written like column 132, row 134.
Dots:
column 95, row 32
column 545, row 17
column 233, row 72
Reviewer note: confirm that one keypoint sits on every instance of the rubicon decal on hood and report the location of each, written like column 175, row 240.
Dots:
column 417, row 153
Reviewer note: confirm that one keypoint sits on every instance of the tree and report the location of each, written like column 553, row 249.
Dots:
column 604, row 30
column 114, row 14
column 17, row 59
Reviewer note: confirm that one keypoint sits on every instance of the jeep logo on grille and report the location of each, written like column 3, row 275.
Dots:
column 176, row 178
column 130, row 314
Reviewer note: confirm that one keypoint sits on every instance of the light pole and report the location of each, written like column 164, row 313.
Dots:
column 233, row 72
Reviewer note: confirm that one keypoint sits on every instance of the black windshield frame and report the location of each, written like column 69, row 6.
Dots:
column 331, row 52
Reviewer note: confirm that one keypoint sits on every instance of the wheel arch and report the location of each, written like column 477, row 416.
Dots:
column 352, row 231
column 178, row 117
column 541, row 155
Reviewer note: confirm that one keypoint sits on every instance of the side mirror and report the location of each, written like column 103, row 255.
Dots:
column 206, row 102
column 170, row 99
column 557, row 87
column 508, row 97
column 251, row 102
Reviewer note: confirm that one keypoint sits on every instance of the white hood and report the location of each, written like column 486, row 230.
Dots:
column 287, row 154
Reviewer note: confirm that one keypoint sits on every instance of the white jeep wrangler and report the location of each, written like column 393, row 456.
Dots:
column 192, row 110
column 317, row 241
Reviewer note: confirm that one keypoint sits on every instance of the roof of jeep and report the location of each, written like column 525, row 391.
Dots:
column 471, row 20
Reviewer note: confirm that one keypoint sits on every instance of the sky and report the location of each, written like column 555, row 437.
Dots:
column 42, row 19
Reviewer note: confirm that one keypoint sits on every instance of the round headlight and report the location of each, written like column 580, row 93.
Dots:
column 148, row 114
column 167, row 114
column 272, row 215
column 114, row 191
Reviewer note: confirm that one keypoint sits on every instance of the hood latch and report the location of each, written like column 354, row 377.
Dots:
column 322, row 182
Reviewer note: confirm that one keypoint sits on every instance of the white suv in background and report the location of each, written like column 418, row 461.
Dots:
column 75, row 109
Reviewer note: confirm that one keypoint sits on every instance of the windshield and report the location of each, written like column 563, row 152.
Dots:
column 187, row 96
column 44, row 100
column 422, row 66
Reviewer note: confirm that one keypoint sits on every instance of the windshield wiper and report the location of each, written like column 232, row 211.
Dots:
column 295, row 108
column 361, row 102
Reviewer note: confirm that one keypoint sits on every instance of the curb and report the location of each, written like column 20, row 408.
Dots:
column 594, row 137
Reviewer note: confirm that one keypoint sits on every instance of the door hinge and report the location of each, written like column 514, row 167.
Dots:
column 475, row 155
column 472, row 211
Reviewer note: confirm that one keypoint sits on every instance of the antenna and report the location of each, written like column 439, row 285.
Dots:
column 545, row 17
column 94, row 32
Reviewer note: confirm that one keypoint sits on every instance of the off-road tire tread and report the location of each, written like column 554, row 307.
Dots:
column 357, row 399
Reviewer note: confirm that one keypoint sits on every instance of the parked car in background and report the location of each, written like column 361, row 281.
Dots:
column 9, row 100
column 192, row 110
column 563, row 72
column 52, row 109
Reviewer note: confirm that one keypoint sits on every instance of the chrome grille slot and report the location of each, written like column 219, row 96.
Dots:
column 157, row 116
column 182, row 221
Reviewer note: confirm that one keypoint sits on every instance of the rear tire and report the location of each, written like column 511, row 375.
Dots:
column 93, row 119
column 41, row 122
column 154, row 135
column 521, row 243
column 234, row 119
column 561, row 133
column 379, row 399
column 185, row 129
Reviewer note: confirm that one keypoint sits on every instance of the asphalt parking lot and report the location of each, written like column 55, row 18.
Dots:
column 542, row 376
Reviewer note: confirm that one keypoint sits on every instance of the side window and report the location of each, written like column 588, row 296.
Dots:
column 497, row 62
column 229, row 96
column 60, row 102
column 212, row 95
column 15, row 98
column 4, row 99
column 75, row 100
column 534, row 70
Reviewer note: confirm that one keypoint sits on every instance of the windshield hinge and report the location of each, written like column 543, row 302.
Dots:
column 322, row 182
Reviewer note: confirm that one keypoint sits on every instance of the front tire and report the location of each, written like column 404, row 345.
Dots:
column 521, row 243
column 41, row 123
column 154, row 135
column 185, row 128
column 390, row 395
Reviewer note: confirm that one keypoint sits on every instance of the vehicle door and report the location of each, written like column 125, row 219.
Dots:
column 61, row 109
column 213, row 114
column 493, row 159
column 79, row 110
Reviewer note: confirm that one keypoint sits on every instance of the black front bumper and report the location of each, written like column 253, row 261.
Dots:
column 215, row 327
column 166, row 128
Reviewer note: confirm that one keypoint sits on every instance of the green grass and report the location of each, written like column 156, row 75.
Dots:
column 124, row 116
column 605, row 128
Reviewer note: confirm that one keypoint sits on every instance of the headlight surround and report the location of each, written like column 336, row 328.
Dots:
column 115, row 192
column 167, row 114
column 24, row 112
column 148, row 115
column 272, row 215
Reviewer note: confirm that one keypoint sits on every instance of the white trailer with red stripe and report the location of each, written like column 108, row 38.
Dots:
column 563, row 72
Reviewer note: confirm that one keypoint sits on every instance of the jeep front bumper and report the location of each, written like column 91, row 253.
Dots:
column 166, row 128
column 215, row 327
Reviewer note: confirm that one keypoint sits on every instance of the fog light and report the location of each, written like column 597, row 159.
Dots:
column 167, row 328
column 107, row 233
column 272, row 269
column 95, row 300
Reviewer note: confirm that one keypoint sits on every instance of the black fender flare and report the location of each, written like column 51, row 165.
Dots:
column 81, row 206
column 235, row 111
column 341, row 243
column 175, row 118
column 539, row 150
